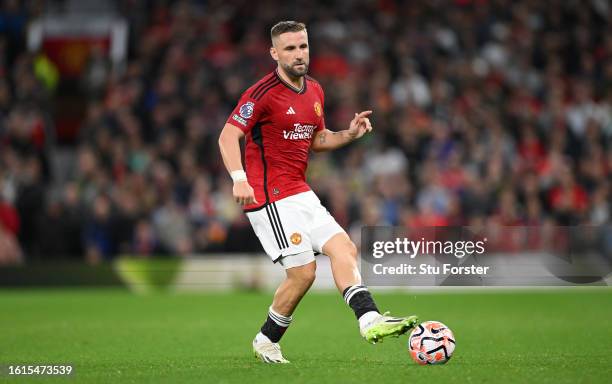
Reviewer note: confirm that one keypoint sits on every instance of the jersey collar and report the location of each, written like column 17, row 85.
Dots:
column 291, row 87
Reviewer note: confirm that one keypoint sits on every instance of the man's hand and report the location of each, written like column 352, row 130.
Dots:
column 360, row 125
column 243, row 193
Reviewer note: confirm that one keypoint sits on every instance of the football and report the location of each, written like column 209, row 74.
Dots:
column 431, row 342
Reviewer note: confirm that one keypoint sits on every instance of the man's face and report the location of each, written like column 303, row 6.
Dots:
column 290, row 50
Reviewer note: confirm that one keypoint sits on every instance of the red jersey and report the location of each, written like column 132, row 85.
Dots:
column 279, row 122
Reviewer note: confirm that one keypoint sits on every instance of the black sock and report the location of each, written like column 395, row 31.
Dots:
column 359, row 299
column 275, row 325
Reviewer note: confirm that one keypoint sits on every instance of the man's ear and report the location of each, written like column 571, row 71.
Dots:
column 274, row 53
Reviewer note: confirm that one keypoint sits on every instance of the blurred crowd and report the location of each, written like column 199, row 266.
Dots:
column 488, row 112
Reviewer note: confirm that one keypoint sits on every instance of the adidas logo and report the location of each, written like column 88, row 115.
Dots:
column 290, row 111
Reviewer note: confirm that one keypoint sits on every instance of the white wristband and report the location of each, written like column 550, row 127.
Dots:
column 239, row 175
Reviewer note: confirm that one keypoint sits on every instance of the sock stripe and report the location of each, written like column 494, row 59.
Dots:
column 360, row 300
column 279, row 319
column 350, row 296
column 350, row 289
column 348, row 293
column 282, row 317
column 284, row 325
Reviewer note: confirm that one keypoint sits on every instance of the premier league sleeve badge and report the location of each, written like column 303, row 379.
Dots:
column 246, row 110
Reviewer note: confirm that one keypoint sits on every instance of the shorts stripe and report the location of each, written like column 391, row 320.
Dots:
column 274, row 229
column 275, row 223
column 281, row 233
column 280, row 223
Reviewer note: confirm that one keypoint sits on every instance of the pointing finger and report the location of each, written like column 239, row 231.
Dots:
column 363, row 114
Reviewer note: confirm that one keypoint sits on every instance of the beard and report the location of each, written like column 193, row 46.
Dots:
column 293, row 72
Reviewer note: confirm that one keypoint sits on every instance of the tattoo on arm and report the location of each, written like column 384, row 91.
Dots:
column 323, row 137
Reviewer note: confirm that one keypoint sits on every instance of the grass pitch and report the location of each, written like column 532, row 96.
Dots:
column 112, row 336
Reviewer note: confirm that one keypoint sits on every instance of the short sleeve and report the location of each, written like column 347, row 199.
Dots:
column 246, row 113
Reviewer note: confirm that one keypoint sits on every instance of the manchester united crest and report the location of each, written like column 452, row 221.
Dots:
column 318, row 109
column 296, row 238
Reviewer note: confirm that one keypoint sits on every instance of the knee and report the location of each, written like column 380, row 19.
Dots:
column 310, row 274
column 349, row 250
column 305, row 275
column 340, row 247
column 346, row 250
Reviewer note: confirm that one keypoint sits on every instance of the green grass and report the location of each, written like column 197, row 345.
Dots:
column 561, row 336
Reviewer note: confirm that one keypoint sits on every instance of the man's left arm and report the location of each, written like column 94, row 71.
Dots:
column 326, row 140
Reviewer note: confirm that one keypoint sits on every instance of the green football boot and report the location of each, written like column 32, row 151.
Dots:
column 384, row 326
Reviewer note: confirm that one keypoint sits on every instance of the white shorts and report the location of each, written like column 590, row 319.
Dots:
column 296, row 226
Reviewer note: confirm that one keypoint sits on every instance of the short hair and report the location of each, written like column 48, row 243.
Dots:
column 286, row 26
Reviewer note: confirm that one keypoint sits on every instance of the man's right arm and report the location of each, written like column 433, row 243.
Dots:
column 229, row 145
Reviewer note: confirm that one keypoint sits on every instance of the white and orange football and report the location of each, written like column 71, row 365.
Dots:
column 431, row 342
